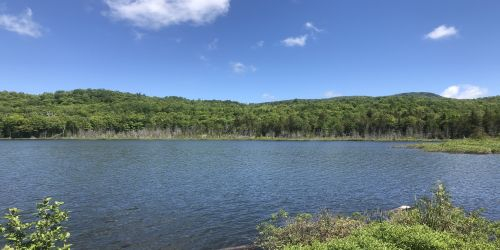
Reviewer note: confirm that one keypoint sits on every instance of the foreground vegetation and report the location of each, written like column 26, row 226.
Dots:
column 46, row 232
column 434, row 223
column 108, row 114
column 468, row 146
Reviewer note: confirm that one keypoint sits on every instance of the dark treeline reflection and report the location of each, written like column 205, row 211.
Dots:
column 93, row 112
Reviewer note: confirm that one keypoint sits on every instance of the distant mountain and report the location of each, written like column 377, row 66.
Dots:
column 351, row 98
column 419, row 94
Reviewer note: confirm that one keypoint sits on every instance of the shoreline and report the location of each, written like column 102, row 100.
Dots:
column 222, row 139
column 484, row 146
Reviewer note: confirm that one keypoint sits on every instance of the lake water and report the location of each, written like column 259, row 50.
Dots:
column 212, row 194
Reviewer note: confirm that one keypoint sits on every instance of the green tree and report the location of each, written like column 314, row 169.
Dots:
column 100, row 111
column 45, row 233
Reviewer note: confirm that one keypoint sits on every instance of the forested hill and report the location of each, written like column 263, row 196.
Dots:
column 94, row 112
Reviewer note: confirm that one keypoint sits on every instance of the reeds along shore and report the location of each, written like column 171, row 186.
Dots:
column 177, row 134
column 464, row 146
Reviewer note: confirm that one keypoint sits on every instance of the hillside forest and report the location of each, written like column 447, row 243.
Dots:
column 94, row 112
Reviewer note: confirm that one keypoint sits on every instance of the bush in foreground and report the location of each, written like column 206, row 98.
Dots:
column 45, row 233
column 434, row 223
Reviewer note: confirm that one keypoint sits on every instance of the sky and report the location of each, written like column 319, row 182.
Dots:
column 252, row 50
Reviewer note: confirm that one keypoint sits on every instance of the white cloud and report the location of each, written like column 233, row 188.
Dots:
column 268, row 97
column 442, row 32
column 310, row 26
column 22, row 24
column 299, row 41
column 239, row 67
column 330, row 94
column 156, row 14
column 464, row 92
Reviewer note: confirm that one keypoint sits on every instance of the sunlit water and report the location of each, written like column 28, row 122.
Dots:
column 212, row 194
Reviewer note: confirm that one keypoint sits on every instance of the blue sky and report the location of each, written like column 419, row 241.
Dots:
column 252, row 50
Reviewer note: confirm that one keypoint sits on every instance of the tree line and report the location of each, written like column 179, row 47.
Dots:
column 94, row 111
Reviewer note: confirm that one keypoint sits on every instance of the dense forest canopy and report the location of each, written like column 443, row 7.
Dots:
column 94, row 111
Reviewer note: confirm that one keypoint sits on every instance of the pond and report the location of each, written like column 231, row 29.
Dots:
column 211, row 194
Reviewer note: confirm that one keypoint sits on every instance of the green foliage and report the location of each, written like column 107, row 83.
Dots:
column 434, row 223
column 94, row 113
column 439, row 214
column 303, row 229
column 385, row 235
column 471, row 146
column 45, row 233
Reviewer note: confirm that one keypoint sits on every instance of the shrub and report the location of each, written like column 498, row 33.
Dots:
column 439, row 214
column 384, row 235
column 281, row 230
column 433, row 223
column 45, row 233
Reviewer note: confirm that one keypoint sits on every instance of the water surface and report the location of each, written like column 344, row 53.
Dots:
column 212, row 194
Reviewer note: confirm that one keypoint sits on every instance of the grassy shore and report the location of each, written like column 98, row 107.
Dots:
column 464, row 146
column 231, row 138
column 433, row 223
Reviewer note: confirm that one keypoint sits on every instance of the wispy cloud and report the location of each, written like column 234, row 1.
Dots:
column 239, row 67
column 214, row 44
column 464, row 92
column 299, row 41
column 22, row 24
column 138, row 35
column 203, row 58
column 156, row 14
column 268, row 97
column 258, row 44
column 310, row 26
column 330, row 94
column 441, row 32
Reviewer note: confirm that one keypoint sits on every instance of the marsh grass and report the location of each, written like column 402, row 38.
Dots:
column 466, row 146
column 433, row 223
